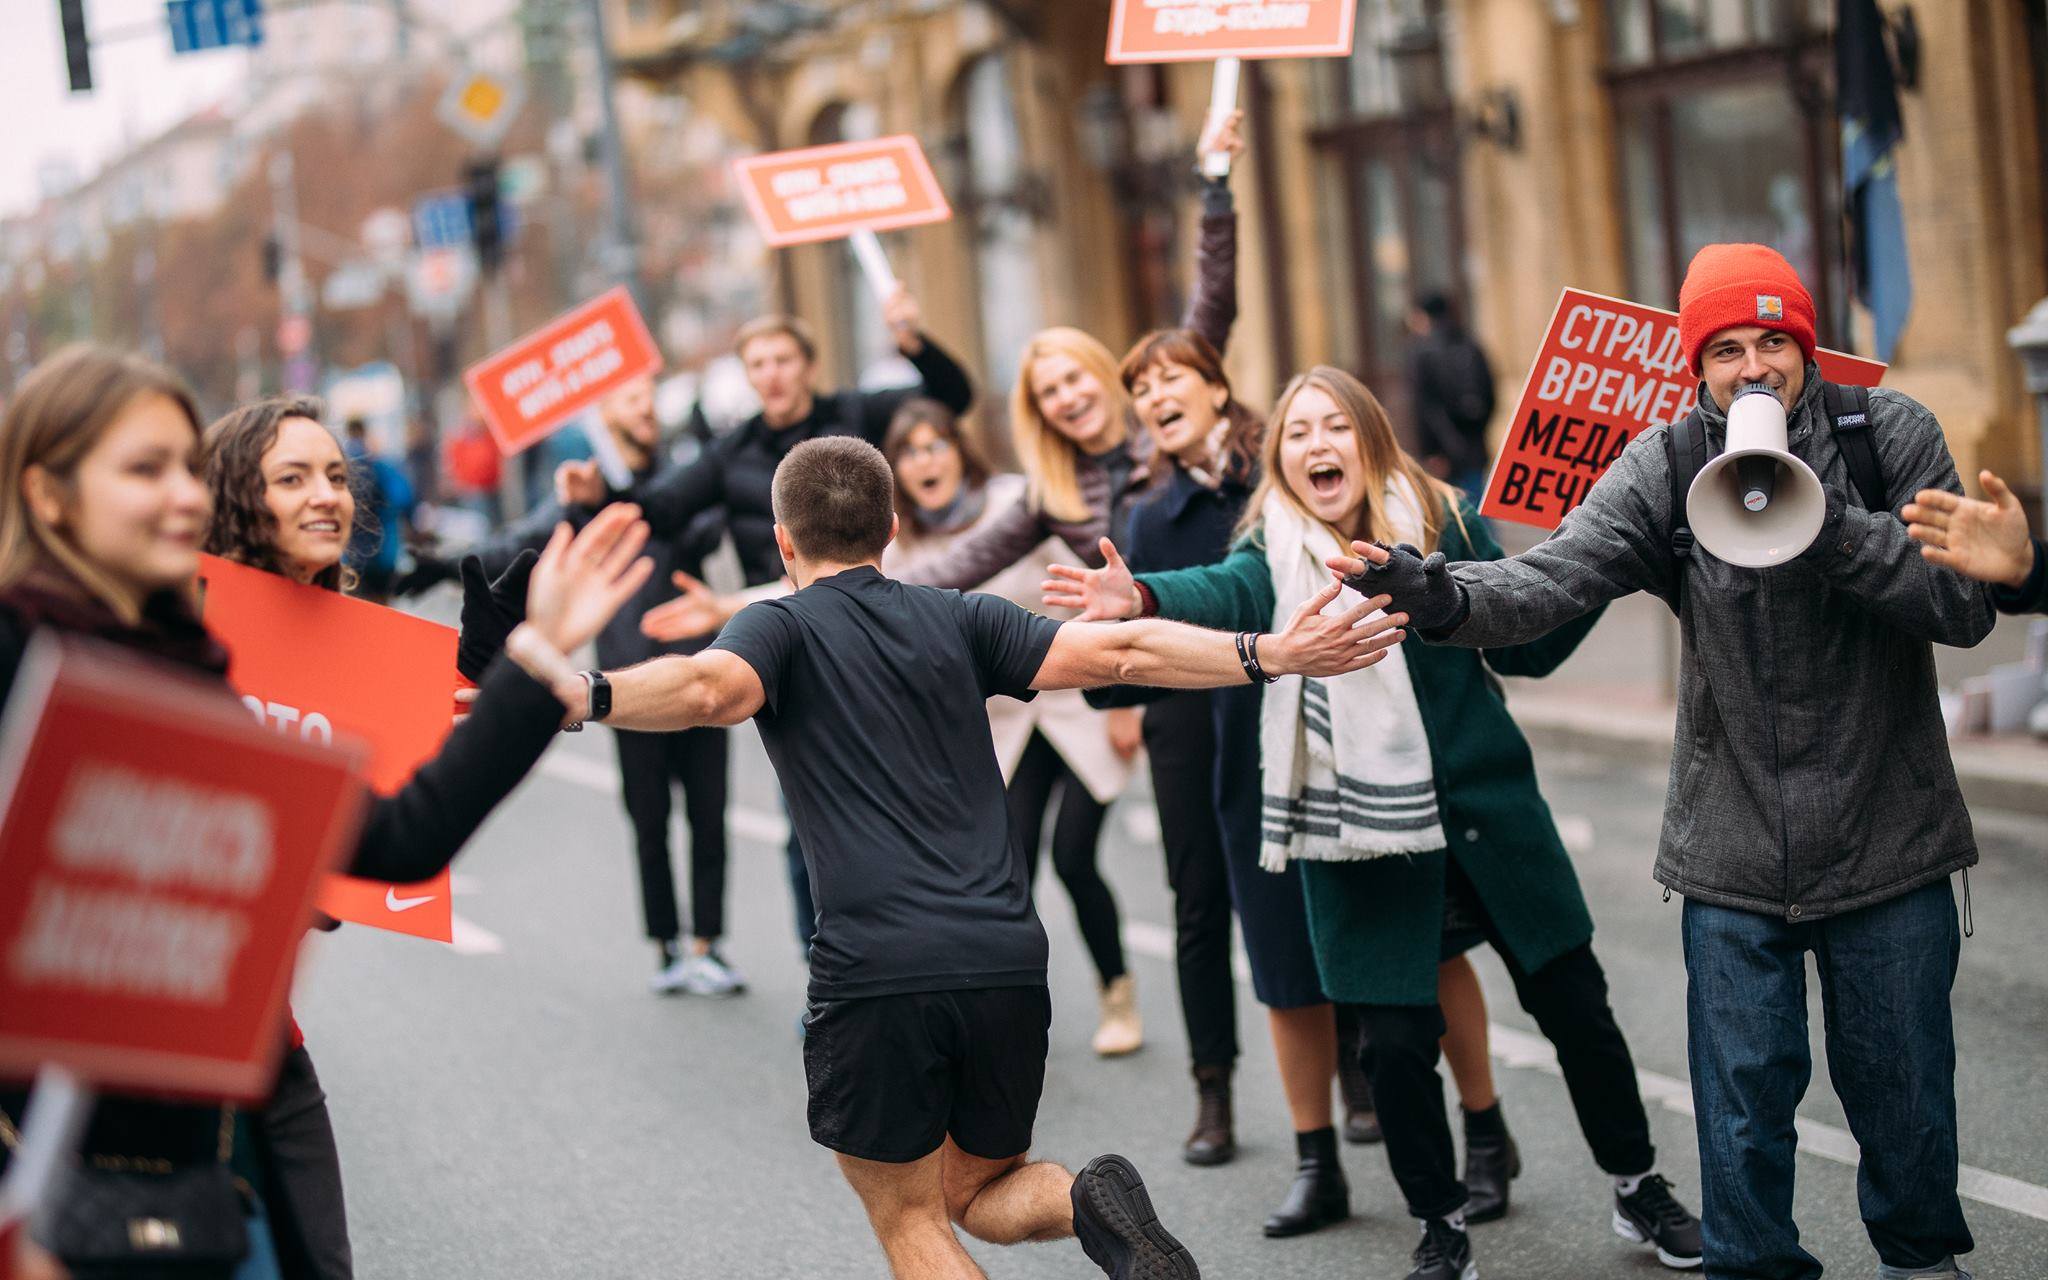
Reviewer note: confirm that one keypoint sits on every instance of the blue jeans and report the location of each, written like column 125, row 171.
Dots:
column 1885, row 973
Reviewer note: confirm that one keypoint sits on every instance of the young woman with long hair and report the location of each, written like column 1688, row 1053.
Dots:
column 1204, row 757
column 1409, row 802
column 101, row 526
column 282, row 501
column 1056, row 752
column 1083, row 458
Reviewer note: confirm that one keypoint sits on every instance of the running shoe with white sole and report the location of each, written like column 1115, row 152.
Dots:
column 710, row 975
column 1653, row 1218
column 1114, row 1221
column 1443, row 1253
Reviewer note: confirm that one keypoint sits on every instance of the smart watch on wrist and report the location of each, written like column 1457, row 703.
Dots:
column 600, row 696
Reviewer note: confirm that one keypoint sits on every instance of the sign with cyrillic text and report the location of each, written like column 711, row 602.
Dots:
column 158, row 861
column 1204, row 30
column 826, row 193
column 561, row 369
column 1608, row 371
column 313, row 665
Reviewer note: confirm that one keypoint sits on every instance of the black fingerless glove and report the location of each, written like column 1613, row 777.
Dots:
column 1421, row 588
column 489, row 611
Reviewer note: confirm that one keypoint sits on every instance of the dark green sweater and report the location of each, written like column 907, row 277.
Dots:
column 1376, row 924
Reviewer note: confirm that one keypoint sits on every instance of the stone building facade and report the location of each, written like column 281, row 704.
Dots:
column 1492, row 150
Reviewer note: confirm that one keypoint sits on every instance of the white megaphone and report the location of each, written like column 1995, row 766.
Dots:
column 1756, row 505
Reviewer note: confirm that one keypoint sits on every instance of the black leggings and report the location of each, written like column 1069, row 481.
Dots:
column 1568, row 999
column 302, row 1176
column 649, row 765
column 1180, row 737
column 1039, row 774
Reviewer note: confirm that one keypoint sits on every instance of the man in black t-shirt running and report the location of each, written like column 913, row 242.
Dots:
column 925, row 1056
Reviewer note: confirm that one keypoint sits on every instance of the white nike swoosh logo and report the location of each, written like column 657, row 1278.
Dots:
column 392, row 902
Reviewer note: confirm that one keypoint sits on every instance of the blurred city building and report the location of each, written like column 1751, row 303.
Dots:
column 1492, row 150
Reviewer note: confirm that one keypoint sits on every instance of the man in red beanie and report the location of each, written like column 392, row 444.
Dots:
column 1813, row 805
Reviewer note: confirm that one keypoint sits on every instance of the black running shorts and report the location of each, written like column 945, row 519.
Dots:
column 891, row 1076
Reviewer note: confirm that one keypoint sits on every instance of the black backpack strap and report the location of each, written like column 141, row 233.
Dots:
column 1848, row 410
column 1685, row 453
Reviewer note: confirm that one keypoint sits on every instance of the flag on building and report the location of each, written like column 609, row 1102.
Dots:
column 1868, row 104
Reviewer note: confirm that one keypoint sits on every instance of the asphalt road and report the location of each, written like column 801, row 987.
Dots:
column 520, row 1105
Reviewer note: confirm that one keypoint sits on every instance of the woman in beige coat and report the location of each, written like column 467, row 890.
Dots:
column 1060, row 756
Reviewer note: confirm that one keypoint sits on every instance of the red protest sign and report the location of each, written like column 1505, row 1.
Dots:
column 158, row 860
column 561, row 369
column 1608, row 370
column 823, row 193
column 314, row 664
column 1204, row 30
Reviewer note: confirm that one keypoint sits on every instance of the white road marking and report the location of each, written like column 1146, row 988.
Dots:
column 469, row 938
column 1514, row 1048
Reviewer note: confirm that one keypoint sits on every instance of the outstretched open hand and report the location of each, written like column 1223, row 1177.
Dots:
column 1331, row 644
column 580, row 582
column 1987, row 541
column 698, row 611
column 1100, row 595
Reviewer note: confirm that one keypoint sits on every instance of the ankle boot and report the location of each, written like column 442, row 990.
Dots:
column 1319, row 1196
column 1361, row 1117
column 1212, row 1141
column 1491, row 1160
column 1120, row 1030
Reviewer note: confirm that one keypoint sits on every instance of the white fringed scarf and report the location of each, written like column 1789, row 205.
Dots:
column 1346, row 763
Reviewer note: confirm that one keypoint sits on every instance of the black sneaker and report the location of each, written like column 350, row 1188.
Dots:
column 1445, row 1253
column 1114, row 1222
column 1653, row 1217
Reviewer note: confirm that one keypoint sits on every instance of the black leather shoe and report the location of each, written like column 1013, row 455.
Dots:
column 1491, row 1161
column 1320, row 1195
column 1212, row 1142
column 1361, row 1117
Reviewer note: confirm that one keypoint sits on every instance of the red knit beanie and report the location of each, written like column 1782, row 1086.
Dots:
column 1733, row 286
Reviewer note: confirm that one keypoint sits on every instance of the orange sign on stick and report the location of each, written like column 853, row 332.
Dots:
column 824, row 193
column 314, row 665
column 561, row 369
column 1608, row 371
column 158, row 860
column 1204, row 30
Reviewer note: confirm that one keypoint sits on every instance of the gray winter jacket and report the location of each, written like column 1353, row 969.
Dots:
column 1811, row 771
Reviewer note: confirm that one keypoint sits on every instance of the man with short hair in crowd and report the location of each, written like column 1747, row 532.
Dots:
column 1813, row 805
column 1986, row 540
column 780, row 357
column 650, row 764
column 926, row 1045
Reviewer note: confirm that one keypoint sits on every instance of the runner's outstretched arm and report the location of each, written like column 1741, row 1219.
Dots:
column 713, row 687
column 1175, row 656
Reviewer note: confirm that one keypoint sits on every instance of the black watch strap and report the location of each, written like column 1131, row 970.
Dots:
column 600, row 695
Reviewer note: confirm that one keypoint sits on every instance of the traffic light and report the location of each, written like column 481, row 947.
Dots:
column 486, row 227
column 77, row 45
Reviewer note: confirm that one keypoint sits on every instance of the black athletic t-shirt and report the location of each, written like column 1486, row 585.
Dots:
column 876, row 726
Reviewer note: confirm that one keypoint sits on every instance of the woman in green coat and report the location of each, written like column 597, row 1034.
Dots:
column 1409, row 797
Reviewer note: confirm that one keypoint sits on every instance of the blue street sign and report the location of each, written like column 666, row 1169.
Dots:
column 440, row 220
column 197, row 25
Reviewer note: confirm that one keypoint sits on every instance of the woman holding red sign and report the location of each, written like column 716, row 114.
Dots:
column 100, row 535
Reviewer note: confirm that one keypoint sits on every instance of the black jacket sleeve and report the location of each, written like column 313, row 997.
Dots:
column 2030, row 596
column 940, row 377
column 674, row 497
column 417, row 831
column 531, row 530
column 1212, row 309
